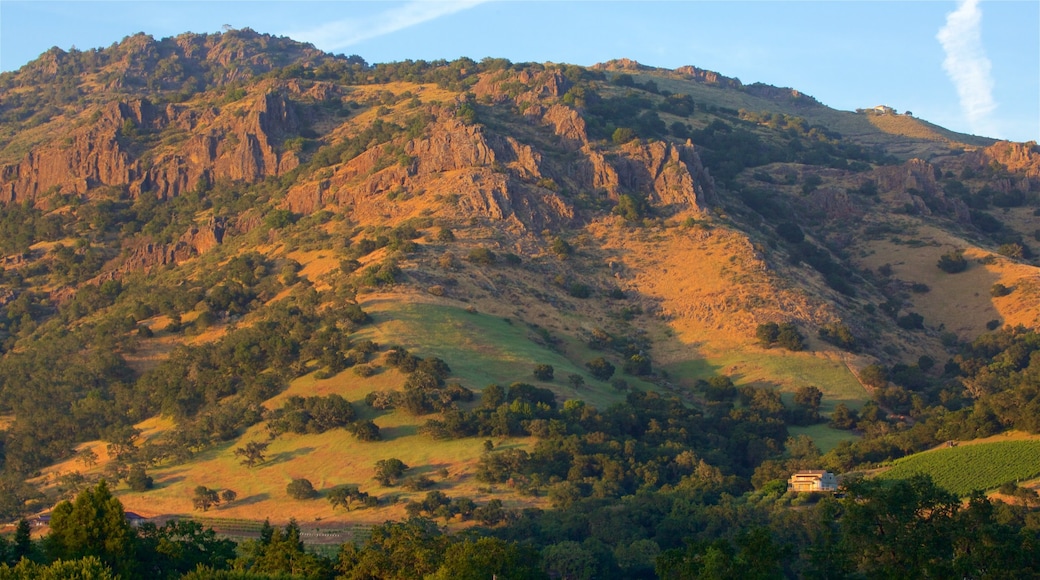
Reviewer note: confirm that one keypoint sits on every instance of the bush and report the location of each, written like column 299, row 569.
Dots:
column 301, row 489
column 839, row 335
column 482, row 256
column 364, row 371
column 638, row 365
column 579, row 290
column 543, row 372
column 911, row 321
column 998, row 290
column 952, row 262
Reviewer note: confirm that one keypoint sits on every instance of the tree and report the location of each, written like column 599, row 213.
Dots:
column 874, row 376
column 638, row 365
column 365, row 430
column 138, row 479
column 790, row 338
column 389, row 471
column 205, row 498
column 767, row 333
column 577, row 381
column 842, row 417
column 93, row 525
column 623, row 135
column 808, row 399
column 489, row 558
column 253, row 453
column 543, row 372
column 301, row 489
column 900, row 529
column 89, row 567
column 22, row 545
column 600, row 368
column 228, row 496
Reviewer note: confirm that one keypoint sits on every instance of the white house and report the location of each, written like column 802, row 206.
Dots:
column 812, row 480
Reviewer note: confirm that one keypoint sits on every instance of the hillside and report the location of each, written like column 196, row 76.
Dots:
column 216, row 240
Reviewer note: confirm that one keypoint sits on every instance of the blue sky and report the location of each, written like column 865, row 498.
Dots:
column 969, row 65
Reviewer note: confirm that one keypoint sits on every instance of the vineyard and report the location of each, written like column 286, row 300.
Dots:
column 972, row 467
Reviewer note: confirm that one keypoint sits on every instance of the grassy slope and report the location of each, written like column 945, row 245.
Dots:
column 961, row 302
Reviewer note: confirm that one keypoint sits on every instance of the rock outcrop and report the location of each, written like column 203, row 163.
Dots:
column 241, row 146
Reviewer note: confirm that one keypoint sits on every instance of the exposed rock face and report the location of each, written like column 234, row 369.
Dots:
column 196, row 241
column 89, row 157
column 673, row 176
column 709, row 77
column 222, row 147
column 834, row 203
column 914, row 174
column 568, row 125
column 915, row 181
column 1021, row 159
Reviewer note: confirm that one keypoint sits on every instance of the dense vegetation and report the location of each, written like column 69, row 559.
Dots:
column 909, row 529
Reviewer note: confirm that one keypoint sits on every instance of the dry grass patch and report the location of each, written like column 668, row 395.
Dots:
column 960, row 302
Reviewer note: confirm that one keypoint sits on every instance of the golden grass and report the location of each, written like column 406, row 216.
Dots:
column 905, row 126
column 328, row 460
column 961, row 302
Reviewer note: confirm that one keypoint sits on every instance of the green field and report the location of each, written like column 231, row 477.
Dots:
column 826, row 438
column 483, row 349
column 964, row 469
column 786, row 370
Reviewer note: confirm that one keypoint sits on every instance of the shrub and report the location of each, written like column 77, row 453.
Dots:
column 839, row 335
column 482, row 256
column 301, row 489
column 998, row 290
column 579, row 290
column 911, row 321
column 364, row 371
column 952, row 262
column 561, row 248
column 790, row 232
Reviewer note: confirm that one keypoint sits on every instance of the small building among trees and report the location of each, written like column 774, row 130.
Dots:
column 812, row 480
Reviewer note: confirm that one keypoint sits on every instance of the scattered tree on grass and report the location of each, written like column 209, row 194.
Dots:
column 600, row 368
column 785, row 335
column 389, row 471
column 301, row 489
column 205, row 498
column 544, row 372
column 252, row 454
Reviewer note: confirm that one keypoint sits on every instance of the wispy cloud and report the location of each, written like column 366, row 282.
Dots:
column 967, row 65
column 350, row 31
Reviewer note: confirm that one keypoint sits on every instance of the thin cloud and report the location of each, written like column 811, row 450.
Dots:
column 350, row 31
column 967, row 65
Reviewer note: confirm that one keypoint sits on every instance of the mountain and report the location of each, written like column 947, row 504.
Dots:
column 212, row 241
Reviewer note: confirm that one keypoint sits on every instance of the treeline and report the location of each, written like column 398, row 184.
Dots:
column 907, row 529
